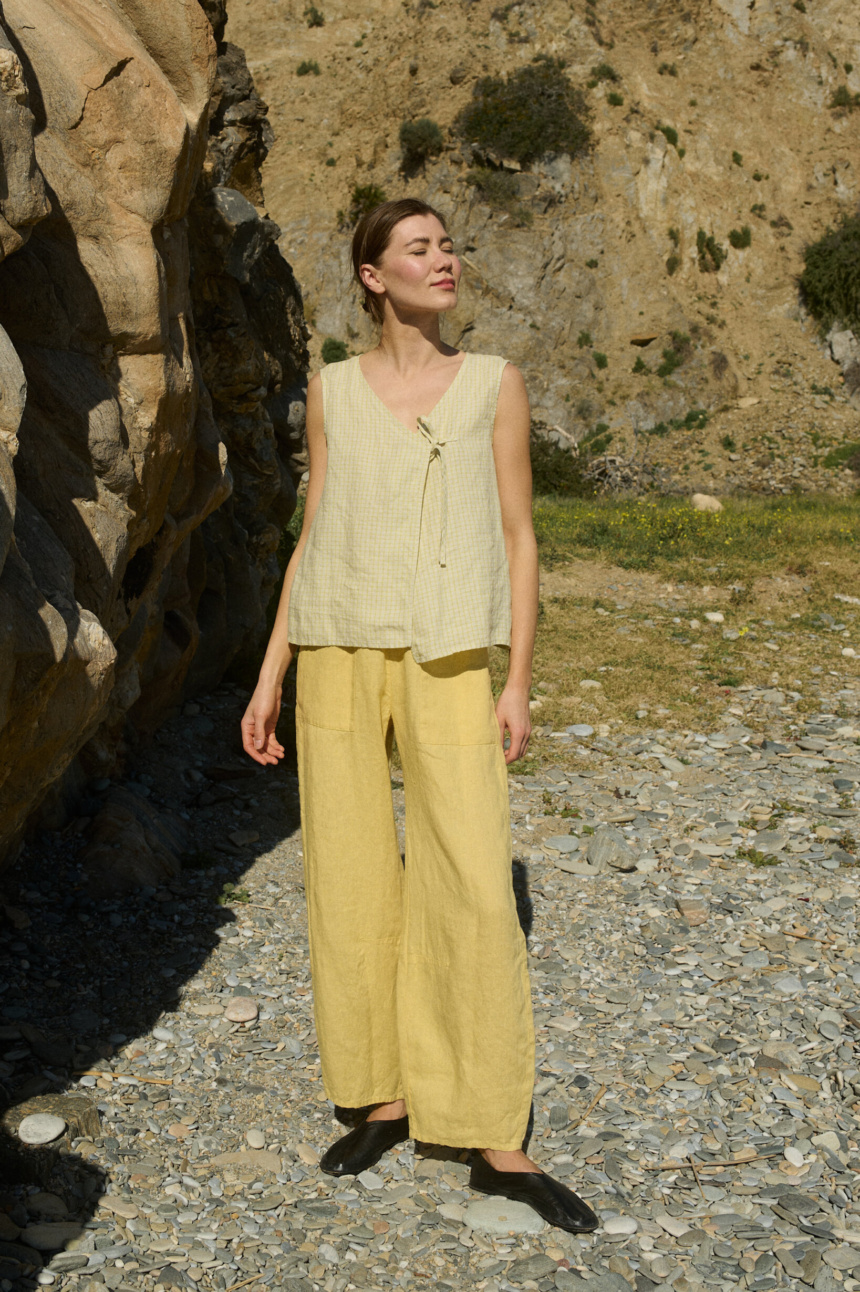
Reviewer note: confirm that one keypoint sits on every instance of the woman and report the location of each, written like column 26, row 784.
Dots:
column 416, row 554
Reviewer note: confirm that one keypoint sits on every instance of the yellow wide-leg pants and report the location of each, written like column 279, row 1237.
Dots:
column 420, row 976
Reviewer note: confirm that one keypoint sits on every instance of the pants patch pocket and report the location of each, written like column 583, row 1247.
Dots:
column 457, row 701
column 324, row 687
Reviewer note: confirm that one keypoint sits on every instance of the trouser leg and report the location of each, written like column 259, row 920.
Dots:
column 463, row 998
column 353, row 870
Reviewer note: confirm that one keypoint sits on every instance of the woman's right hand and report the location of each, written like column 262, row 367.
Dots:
column 258, row 725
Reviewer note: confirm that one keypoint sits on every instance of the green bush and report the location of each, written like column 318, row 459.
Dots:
column 600, row 359
column 364, row 198
column 670, row 133
column 307, row 67
column 614, row 99
column 668, row 69
column 583, row 339
column 711, row 255
column 737, row 158
column 728, row 444
column 673, row 264
column 313, row 16
column 676, row 354
column 534, row 111
column 501, row 190
column 674, row 236
column 604, row 72
column 419, row 140
column 740, row 238
column 695, row 419
column 758, row 209
column 334, row 351
column 557, row 470
column 843, row 98
column 640, row 365
column 591, row 264
column 830, row 281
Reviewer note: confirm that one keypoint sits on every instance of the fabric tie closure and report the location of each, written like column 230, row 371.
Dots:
column 437, row 441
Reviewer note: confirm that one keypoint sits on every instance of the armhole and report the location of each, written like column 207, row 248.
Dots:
column 497, row 389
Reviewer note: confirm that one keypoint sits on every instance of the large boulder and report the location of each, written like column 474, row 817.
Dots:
column 114, row 311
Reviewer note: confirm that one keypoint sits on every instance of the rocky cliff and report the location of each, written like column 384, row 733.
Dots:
column 152, row 353
column 710, row 117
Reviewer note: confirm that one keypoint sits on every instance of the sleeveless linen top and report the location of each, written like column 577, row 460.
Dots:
column 406, row 548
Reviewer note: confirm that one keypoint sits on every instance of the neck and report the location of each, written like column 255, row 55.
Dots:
column 413, row 341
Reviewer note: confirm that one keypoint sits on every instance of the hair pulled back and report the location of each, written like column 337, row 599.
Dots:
column 372, row 236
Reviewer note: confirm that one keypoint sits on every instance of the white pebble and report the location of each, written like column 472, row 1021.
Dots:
column 714, row 616
column 793, row 1155
column 256, row 1139
column 41, row 1128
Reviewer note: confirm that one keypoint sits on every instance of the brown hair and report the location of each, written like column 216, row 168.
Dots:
column 372, row 236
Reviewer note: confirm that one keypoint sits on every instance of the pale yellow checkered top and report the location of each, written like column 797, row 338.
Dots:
column 406, row 548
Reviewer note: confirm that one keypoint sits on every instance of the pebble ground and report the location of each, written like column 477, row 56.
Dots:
column 697, row 1019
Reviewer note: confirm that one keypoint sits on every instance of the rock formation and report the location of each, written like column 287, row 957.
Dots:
column 151, row 365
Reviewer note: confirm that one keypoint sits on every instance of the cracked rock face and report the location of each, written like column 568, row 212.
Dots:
column 151, row 377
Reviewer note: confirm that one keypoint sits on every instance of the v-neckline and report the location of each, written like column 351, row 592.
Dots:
column 413, row 430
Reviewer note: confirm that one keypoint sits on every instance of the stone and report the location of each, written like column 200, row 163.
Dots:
column 841, row 1258
column 500, row 1216
column 609, row 849
column 589, row 684
column 693, row 909
column 41, row 1128
column 673, row 1225
column 563, row 843
column 241, row 1009
column 714, row 616
column 50, row 1236
column 785, row 1051
column 828, row 1140
column 47, row 1205
column 705, row 502
column 620, row 1225
column 370, row 1180
column 255, row 1138
column 119, row 1206
column 580, row 729
column 531, row 1267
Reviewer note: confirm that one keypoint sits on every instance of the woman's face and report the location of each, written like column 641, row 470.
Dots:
column 418, row 270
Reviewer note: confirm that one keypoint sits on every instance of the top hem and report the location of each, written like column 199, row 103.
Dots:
column 420, row 656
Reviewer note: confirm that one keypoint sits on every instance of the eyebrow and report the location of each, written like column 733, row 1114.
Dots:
column 447, row 238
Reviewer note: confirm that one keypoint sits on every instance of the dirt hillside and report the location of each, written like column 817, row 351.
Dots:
column 745, row 86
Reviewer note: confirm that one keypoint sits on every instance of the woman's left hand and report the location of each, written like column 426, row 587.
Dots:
column 512, row 712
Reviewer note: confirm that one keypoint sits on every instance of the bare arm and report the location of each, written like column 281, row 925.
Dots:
column 514, row 476
column 258, row 725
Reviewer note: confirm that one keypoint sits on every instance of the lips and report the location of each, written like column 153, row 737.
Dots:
column 444, row 282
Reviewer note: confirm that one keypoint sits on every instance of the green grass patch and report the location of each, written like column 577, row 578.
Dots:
column 847, row 455
column 748, row 537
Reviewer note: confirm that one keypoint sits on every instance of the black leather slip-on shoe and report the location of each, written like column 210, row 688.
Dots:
column 363, row 1147
column 558, row 1205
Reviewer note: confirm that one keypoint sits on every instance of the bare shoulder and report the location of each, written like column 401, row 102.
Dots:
column 513, row 401
column 513, row 382
column 315, row 385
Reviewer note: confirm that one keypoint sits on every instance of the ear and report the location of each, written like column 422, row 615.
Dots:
column 371, row 280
